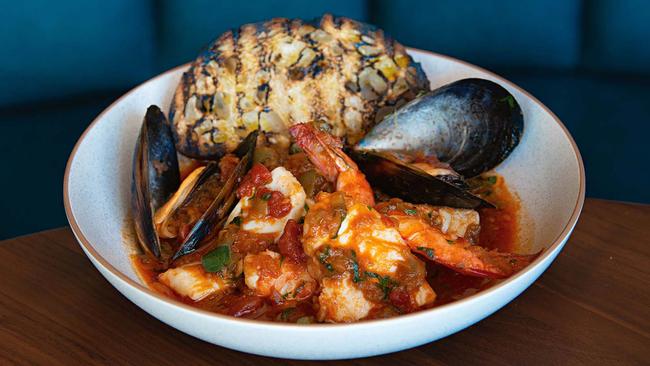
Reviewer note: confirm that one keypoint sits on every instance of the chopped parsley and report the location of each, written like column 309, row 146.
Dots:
column 385, row 283
column 323, row 259
column 217, row 259
column 286, row 313
column 451, row 242
column 355, row 269
column 266, row 196
column 237, row 220
column 428, row 251
column 306, row 208
column 294, row 149
column 410, row 211
column 492, row 179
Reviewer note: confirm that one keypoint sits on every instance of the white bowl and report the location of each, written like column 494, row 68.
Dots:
column 545, row 170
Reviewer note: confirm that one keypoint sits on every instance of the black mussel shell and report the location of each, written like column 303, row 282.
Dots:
column 195, row 193
column 214, row 218
column 471, row 124
column 414, row 185
column 155, row 176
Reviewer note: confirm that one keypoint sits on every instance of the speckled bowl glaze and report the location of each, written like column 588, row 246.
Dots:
column 545, row 170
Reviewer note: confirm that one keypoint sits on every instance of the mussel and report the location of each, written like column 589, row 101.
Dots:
column 158, row 196
column 470, row 125
column 214, row 218
column 414, row 184
column 155, row 176
column 192, row 198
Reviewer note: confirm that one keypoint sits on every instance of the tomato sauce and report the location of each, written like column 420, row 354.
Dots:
column 499, row 230
column 258, row 176
column 500, row 225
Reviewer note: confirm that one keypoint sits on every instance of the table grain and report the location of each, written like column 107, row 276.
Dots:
column 592, row 306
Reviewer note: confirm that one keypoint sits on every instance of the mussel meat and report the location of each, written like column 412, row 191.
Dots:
column 470, row 124
column 190, row 200
column 155, row 176
column 214, row 218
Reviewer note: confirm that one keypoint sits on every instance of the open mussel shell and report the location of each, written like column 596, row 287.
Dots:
column 155, row 176
column 405, row 181
column 191, row 195
column 214, row 218
column 471, row 124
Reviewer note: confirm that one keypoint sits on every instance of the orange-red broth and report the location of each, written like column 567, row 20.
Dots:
column 499, row 230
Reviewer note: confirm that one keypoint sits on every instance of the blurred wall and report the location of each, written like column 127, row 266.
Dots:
column 63, row 62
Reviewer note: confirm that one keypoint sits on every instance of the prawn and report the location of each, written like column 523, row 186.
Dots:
column 361, row 260
column 442, row 243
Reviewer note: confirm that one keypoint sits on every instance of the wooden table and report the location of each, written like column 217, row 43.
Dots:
column 591, row 307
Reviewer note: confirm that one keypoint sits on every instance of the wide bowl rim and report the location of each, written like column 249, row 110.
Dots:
column 98, row 259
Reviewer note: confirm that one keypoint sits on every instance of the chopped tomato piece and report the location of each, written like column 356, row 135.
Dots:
column 256, row 177
column 279, row 205
column 245, row 305
column 401, row 300
column 289, row 243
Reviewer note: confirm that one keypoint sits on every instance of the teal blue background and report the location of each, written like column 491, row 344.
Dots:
column 63, row 62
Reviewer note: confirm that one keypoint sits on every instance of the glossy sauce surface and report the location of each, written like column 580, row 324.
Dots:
column 499, row 230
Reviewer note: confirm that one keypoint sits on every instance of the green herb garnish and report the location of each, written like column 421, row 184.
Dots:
column 323, row 259
column 450, row 242
column 294, row 149
column 385, row 283
column 286, row 313
column 410, row 211
column 266, row 196
column 428, row 251
column 237, row 220
column 306, row 208
column 492, row 179
column 355, row 269
column 217, row 259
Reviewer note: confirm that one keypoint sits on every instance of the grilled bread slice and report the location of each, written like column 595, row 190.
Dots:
column 344, row 74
